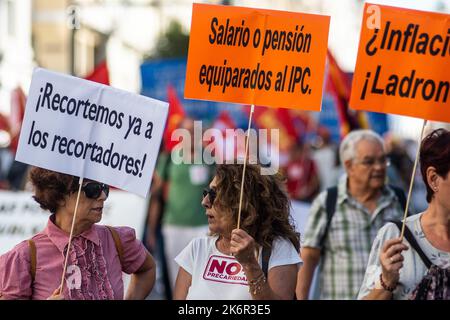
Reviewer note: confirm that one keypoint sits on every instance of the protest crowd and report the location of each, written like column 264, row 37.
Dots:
column 349, row 212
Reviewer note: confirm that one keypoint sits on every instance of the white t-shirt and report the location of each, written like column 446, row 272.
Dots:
column 413, row 269
column 217, row 276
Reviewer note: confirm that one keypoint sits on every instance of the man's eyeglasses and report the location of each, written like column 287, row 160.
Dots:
column 93, row 190
column 212, row 194
column 370, row 162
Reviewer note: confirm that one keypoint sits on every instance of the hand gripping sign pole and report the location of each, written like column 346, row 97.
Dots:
column 245, row 164
column 70, row 236
column 412, row 179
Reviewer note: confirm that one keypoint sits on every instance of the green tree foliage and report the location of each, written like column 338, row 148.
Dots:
column 173, row 43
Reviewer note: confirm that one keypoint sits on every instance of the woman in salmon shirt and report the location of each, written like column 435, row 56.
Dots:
column 98, row 254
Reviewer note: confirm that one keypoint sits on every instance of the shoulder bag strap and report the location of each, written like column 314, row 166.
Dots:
column 412, row 241
column 33, row 260
column 117, row 243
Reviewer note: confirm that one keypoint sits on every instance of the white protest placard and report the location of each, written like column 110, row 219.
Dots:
column 90, row 130
column 21, row 218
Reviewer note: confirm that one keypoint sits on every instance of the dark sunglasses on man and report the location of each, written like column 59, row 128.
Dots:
column 212, row 194
column 93, row 190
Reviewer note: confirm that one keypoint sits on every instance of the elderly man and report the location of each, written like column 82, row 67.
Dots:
column 344, row 220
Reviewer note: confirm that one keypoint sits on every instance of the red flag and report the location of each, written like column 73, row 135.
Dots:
column 285, row 119
column 228, row 147
column 100, row 73
column 279, row 118
column 4, row 123
column 223, row 122
column 174, row 118
column 338, row 84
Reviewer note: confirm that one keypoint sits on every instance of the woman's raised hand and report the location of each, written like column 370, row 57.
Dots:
column 391, row 260
column 243, row 247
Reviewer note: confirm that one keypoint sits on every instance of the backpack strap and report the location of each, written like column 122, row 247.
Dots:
column 330, row 207
column 117, row 243
column 33, row 260
column 412, row 241
column 265, row 263
column 265, row 260
column 400, row 196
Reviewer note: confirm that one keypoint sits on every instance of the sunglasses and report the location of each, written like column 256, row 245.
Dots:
column 93, row 190
column 211, row 193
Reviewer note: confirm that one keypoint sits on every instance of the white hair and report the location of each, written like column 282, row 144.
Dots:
column 347, row 150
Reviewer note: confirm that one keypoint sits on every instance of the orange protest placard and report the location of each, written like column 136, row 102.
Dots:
column 255, row 56
column 403, row 64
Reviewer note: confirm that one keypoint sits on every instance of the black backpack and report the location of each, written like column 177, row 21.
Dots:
column 435, row 285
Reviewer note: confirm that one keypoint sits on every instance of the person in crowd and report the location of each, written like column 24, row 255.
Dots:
column 344, row 220
column 324, row 156
column 303, row 182
column 179, row 182
column 259, row 260
column 399, row 172
column 417, row 266
column 98, row 254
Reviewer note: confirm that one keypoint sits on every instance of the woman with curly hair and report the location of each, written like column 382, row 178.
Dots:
column 230, row 262
column 98, row 254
